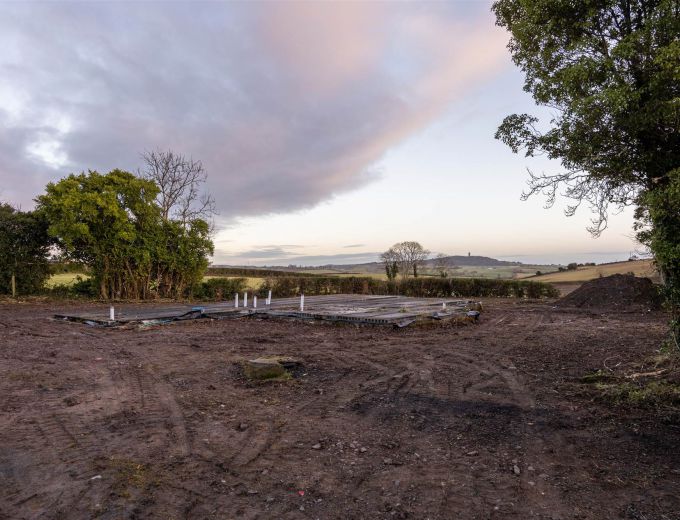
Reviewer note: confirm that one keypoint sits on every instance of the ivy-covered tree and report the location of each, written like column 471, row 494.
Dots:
column 609, row 70
column 24, row 249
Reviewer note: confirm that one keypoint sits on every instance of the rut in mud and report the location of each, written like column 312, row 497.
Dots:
column 482, row 421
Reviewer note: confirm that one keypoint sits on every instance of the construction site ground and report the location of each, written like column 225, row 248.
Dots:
column 488, row 420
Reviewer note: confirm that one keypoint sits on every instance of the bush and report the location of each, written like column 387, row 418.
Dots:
column 289, row 286
column 219, row 288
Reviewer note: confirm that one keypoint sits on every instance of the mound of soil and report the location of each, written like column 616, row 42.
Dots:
column 616, row 292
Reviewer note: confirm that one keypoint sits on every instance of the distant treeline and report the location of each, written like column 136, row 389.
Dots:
column 253, row 272
column 288, row 286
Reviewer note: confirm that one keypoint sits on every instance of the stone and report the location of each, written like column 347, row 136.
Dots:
column 515, row 469
column 263, row 368
column 317, row 446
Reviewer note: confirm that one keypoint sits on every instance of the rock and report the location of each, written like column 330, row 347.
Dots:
column 317, row 446
column 472, row 453
column 275, row 367
column 515, row 469
column 243, row 426
column 387, row 461
column 363, row 450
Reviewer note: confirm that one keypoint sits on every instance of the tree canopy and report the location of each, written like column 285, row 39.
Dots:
column 113, row 224
column 610, row 72
column 24, row 246
column 404, row 258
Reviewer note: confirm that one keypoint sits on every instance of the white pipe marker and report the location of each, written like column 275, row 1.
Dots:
column 444, row 305
column 112, row 314
column 254, row 302
column 236, row 300
column 269, row 298
column 302, row 302
column 245, row 299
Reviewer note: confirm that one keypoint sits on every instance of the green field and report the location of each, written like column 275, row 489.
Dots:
column 254, row 282
column 643, row 268
column 65, row 279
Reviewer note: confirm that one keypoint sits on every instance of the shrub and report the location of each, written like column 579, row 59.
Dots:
column 219, row 288
column 289, row 286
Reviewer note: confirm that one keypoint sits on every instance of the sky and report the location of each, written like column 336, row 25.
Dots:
column 329, row 130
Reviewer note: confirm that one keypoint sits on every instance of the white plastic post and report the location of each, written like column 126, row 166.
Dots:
column 444, row 305
column 254, row 302
column 112, row 314
column 269, row 298
column 236, row 300
column 302, row 302
column 245, row 299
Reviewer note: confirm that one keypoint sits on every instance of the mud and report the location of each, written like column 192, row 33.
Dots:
column 621, row 292
column 483, row 421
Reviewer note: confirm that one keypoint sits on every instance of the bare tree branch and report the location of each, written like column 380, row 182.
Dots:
column 180, row 181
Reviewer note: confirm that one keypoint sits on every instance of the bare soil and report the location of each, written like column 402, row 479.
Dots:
column 484, row 421
column 618, row 291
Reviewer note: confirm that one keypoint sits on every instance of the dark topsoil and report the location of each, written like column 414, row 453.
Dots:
column 618, row 292
column 485, row 421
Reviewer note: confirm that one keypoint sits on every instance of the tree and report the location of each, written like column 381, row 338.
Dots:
column 113, row 224
column 405, row 257
column 391, row 261
column 610, row 72
column 105, row 222
column 24, row 248
column 179, row 181
column 442, row 264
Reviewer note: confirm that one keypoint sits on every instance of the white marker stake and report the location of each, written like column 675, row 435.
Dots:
column 444, row 305
column 112, row 314
column 302, row 303
column 254, row 302
column 236, row 300
column 245, row 299
column 269, row 298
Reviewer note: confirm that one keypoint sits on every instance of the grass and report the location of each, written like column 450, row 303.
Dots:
column 654, row 383
column 649, row 394
column 252, row 283
column 585, row 274
column 67, row 279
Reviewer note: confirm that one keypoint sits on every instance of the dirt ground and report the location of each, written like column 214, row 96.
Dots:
column 484, row 421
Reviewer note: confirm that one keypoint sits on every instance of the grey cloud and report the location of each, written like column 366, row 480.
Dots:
column 264, row 253
column 285, row 107
column 353, row 245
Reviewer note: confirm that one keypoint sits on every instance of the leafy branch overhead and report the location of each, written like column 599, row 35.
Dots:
column 610, row 73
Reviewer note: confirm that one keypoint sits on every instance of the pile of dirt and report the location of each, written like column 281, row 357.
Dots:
column 616, row 292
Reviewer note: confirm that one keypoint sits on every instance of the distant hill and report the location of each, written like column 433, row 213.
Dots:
column 478, row 261
column 377, row 267
column 454, row 260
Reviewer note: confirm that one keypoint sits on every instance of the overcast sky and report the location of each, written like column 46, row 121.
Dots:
column 328, row 130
